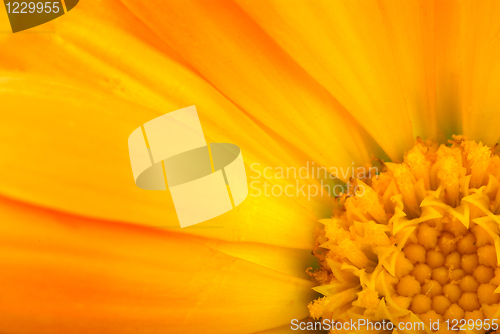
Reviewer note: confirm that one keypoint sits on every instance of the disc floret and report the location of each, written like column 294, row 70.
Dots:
column 422, row 242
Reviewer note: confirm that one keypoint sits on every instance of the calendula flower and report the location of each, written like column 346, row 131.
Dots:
column 433, row 257
column 334, row 83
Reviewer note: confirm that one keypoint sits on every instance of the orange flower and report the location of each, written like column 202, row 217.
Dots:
column 431, row 257
column 83, row 250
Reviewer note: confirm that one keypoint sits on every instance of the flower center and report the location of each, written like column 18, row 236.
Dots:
column 418, row 242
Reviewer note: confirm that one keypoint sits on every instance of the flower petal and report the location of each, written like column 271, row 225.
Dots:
column 477, row 68
column 160, row 83
column 103, row 277
column 76, row 143
column 375, row 57
column 271, row 88
column 288, row 328
column 293, row 262
column 448, row 62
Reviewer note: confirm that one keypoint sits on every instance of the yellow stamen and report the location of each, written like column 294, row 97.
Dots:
column 421, row 243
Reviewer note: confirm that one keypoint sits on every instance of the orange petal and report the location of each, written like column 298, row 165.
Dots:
column 271, row 89
column 477, row 67
column 293, row 262
column 448, row 63
column 148, row 76
column 65, row 148
column 288, row 328
column 375, row 57
column 62, row 273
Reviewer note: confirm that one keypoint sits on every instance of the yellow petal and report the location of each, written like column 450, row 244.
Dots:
column 66, row 148
column 374, row 57
column 79, row 275
column 293, row 262
column 448, row 60
column 288, row 328
column 477, row 63
column 149, row 74
column 152, row 78
column 271, row 88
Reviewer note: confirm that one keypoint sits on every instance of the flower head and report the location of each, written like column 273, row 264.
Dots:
column 434, row 252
